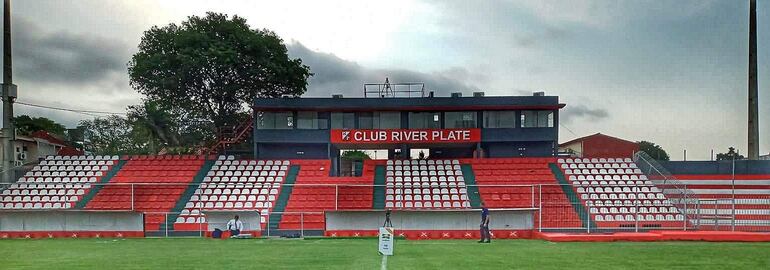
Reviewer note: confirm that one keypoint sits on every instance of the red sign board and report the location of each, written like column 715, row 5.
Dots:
column 363, row 136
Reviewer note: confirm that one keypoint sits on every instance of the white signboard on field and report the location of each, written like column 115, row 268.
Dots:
column 386, row 241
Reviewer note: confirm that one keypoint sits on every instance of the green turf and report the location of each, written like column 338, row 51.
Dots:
column 195, row 253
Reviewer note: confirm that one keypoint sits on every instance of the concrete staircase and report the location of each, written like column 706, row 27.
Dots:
column 573, row 197
column 470, row 183
column 283, row 198
column 379, row 187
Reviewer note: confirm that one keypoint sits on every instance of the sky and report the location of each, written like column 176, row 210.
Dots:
column 668, row 71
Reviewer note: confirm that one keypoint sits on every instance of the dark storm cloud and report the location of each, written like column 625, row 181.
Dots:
column 64, row 57
column 505, row 23
column 334, row 75
column 572, row 112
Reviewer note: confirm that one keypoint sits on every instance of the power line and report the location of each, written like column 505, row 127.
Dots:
column 565, row 127
column 86, row 112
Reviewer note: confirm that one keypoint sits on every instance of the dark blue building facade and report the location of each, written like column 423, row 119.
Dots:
column 505, row 126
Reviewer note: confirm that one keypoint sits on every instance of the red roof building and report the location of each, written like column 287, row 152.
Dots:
column 599, row 145
column 42, row 134
column 60, row 146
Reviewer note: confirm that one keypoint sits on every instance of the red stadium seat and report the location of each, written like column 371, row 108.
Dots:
column 147, row 169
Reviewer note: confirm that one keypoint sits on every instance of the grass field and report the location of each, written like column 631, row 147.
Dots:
column 362, row 254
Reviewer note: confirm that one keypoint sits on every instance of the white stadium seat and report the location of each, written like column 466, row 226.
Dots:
column 241, row 184
column 424, row 173
column 616, row 181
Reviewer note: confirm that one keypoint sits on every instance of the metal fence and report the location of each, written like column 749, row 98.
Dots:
column 729, row 209
column 203, row 229
column 577, row 207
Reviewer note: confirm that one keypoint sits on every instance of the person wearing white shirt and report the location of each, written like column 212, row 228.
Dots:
column 234, row 226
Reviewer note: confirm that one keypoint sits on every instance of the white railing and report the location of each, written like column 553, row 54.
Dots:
column 556, row 210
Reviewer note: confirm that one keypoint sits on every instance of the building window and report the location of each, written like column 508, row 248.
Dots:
column 365, row 120
column 379, row 120
column 499, row 119
column 460, row 119
column 342, row 120
column 536, row 119
column 275, row 120
column 390, row 120
column 421, row 120
column 323, row 122
column 310, row 120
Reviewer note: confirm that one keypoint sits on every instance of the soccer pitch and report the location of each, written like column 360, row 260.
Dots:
column 193, row 253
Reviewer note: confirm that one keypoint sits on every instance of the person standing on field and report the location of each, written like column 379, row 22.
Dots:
column 484, row 226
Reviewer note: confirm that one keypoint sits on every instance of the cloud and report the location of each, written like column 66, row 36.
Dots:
column 64, row 57
column 334, row 75
column 490, row 24
column 573, row 112
column 539, row 38
column 609, row 13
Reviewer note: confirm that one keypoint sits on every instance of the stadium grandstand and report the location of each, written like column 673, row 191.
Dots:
column 210, row 141
column 434, row 160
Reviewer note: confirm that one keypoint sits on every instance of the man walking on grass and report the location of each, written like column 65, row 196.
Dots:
column 484, row 226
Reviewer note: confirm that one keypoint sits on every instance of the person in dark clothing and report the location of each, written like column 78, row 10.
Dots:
column 484, row 226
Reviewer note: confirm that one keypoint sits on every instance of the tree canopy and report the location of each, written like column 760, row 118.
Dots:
column 111, row 135
column 156, row 122
column 212, row 67
column 730, row 155
column 165, row 128
column 654, row 150
column 26, row 125
column 195, row 77
column 356, row 155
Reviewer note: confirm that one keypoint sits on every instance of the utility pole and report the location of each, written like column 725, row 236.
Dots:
column 9, row 95
column 753, row 84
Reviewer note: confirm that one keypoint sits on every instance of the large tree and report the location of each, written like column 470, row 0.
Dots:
column 26, row 125
column 654, row 150
column 214, row 66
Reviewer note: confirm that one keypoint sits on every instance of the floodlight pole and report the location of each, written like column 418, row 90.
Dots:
column 753, row 123
column 9, row 95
